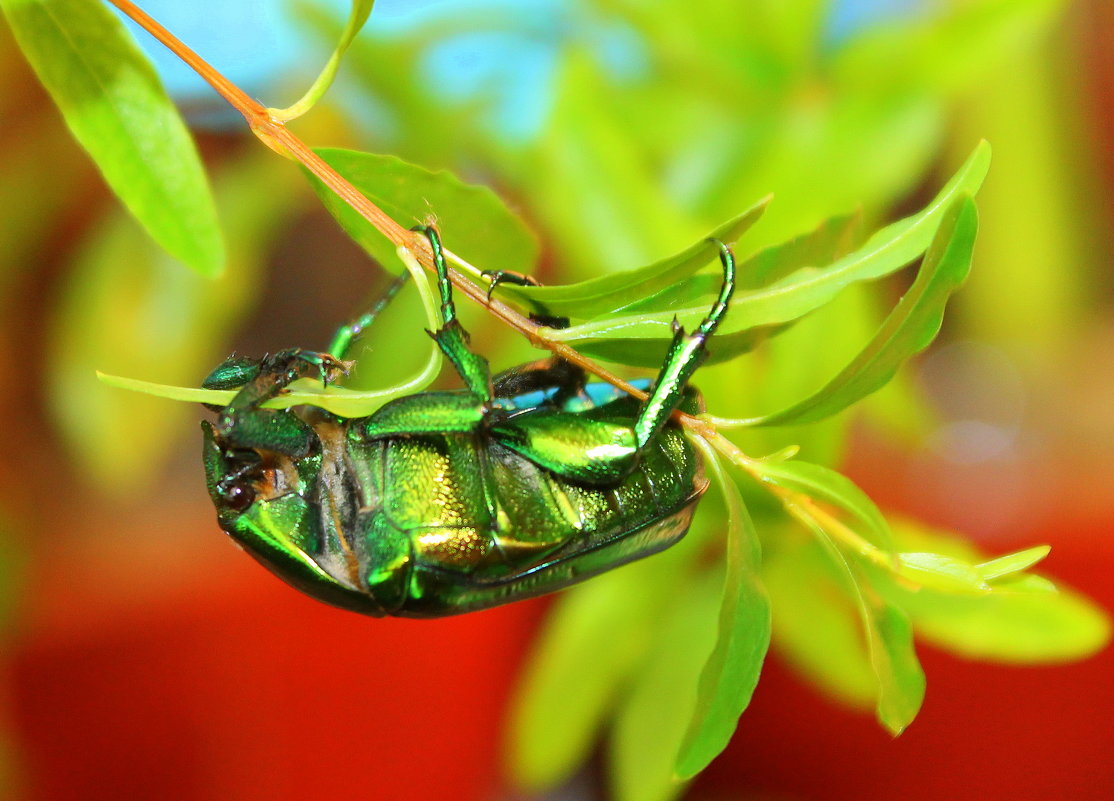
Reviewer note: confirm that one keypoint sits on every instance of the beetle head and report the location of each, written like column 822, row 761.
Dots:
column 265, row 501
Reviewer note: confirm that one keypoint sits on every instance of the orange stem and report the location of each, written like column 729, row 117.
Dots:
column 278, row 137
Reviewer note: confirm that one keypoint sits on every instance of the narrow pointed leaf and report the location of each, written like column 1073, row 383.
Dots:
column 900, row 676
column 826, row 243
column 474, row 223
column 909, row 328
column 804, row 290
column 609, row 292
column 819, row 629
column 1022, row 619
column 823, row 245
column 1012, row 563
column 731, row 672
column 338, row 400
column 116, row 108
column 361, row 10
column 939, row 572
column 889, row 637
column 829, row 486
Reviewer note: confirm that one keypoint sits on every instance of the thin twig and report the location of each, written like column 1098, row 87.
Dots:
column 279, row 138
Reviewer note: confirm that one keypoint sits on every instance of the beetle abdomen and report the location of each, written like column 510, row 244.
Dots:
column 482, row 523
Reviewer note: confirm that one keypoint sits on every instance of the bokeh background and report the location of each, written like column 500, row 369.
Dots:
column 143, row 656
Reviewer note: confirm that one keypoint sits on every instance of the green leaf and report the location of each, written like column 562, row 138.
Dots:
column 822, row 245
column 1022, row 620
column 817, row 627
column 900, row 677
column 959, row 576
column 731, row 673
column 606, row 293
column 806, row 289
column 889, row 636
column 652, row 720
column 116, row 108
column 338, row 400
column 1012, row 563
column 829, row 486
column 127, row 306
column 833, row 238
column 909, row 328
column 590, row 645
column 474, row 223
column 361, row 10
column 938, row 572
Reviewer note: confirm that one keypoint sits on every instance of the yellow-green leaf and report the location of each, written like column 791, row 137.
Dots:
column 116, row 107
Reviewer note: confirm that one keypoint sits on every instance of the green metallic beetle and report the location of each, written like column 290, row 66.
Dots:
column 446, row 502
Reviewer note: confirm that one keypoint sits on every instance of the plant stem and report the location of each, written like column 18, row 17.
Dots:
column 798, row 505
column 273, row 133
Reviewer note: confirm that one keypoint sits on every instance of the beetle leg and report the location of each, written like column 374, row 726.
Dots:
column 518, row 279
column 685, row 354
column 567, row 378
column 451, row 336
column 345, row 336
column 564, row 377
column 244, row 424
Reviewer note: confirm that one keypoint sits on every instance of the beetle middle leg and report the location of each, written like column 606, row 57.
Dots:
column 347, row 335
column 451, row 336
column 566, row 378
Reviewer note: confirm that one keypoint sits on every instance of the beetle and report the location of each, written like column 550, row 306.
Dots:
column 444, row 502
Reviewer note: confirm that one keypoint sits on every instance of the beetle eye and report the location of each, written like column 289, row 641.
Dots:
column 238, row 497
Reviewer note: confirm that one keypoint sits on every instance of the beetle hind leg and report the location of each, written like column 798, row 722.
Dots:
column 686, row 353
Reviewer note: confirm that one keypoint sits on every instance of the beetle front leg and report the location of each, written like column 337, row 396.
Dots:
column 244, row 424
column 686, row 353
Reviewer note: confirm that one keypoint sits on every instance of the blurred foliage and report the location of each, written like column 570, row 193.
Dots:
column 116, row 108
column 125, row 289
column 664, row 121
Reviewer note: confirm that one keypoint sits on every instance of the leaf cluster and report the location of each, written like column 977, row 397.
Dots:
column 665, row 653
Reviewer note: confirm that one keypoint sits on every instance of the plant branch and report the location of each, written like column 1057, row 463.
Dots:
column 800, row 506
column 273, row 133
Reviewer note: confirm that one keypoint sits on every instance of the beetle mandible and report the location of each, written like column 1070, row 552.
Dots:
column 450, row 501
